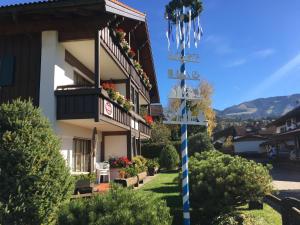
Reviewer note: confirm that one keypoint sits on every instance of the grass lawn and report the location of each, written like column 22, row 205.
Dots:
column 266, row 216
column 164, row 187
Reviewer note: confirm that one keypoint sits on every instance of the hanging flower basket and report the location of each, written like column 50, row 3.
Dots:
column 176, row 6
column 131, row 53
column 120, row 34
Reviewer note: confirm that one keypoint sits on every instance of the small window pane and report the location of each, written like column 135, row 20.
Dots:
column 7, row 64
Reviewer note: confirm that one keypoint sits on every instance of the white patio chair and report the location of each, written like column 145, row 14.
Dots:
column 102, row 169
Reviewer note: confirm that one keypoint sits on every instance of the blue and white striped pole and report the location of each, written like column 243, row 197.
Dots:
column 184, row 144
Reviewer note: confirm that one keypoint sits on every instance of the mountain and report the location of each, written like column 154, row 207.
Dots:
column 272, row 107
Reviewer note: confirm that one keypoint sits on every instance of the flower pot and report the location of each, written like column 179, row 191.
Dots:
column 114, row 173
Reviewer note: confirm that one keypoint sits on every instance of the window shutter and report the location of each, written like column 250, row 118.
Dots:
column 7, row 66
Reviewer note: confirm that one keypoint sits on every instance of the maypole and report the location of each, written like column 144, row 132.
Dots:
column 177, row 16
column 184, row 144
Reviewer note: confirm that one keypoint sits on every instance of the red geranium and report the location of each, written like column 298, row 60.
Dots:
column 131, row 53
column 109, row 86
column 121, row 162
column 149, row 119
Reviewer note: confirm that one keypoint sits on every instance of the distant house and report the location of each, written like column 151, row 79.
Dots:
column 249, row 144
column 287, row 136
column 246, row 139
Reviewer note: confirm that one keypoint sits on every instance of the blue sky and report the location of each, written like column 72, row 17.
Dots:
column 250, row 49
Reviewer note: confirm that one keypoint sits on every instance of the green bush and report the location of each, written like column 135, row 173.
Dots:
column 119, row 206
column 219, row 183
column 91, row 177
column 140, row 163
column 169, row 157
column 35, row 180
column 153, row 150
column 235, row 219
column 199, row 143
column 160, row 133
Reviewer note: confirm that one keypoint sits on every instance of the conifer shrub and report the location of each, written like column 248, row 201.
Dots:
column 169, row 158
column 220, row 183
column 34, row 178
column 119, row 206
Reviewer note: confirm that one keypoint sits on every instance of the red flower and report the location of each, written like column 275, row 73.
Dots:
column 149, row 119
column 109, row 86
column 120, row 30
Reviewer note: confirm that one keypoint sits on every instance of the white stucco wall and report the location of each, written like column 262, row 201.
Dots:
column 67, row 132
column 115, row 146
column 248, row 146
column 54, row 72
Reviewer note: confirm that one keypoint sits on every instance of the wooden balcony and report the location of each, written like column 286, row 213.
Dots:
column 86, row 102
column 113, row 47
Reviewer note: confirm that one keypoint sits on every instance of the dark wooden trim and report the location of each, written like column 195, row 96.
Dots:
column 67, row 25
column 73, row 61
column 89, row 91
column 114, row 133
column 102, row 148
column 97, row 72
column 128, row 89
column 129, row 155
column 116, row 81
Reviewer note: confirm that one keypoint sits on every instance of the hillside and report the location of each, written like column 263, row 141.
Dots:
column 272, row 107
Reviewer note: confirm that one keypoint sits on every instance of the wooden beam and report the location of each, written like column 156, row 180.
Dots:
column 73, row 61
column 84, row 25
column 97, row 72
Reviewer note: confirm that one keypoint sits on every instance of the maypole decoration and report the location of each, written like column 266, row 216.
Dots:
column 184, row 16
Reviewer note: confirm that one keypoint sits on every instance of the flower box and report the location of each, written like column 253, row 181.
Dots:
column 115, row 173
column 142, row 176
column 84, row 186
column 128, row 182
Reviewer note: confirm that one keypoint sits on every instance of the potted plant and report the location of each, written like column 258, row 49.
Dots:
column 131, row 53
column 84, row 183
column 127, row 105
column 111, row 90
column 152, row 165
column 116, row 165
column 120, row 34
column 120, row 98
column 125, row 46
column 148, row 119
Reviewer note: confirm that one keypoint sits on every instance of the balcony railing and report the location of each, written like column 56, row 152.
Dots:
column 122, row 59
column 85, row 102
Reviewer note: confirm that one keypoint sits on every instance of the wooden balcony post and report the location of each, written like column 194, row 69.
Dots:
column 97, row 73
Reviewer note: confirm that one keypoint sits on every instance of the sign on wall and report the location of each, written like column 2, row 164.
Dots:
column 108, row 109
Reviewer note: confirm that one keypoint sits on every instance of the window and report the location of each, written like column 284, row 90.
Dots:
column 81, row 155
column 80, row 80
column 134, row 97
column 7, row 66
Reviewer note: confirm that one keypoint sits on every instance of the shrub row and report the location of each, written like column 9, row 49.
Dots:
column 119, row 206
column 197, row 143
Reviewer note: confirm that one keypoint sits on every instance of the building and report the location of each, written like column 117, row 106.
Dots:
column 287, row 137
column 60, row 54
column 249, row 144
column 245, row 139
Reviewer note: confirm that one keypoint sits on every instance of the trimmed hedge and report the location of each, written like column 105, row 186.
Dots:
column 153, row 150
column 197, row 143
column 169, row 158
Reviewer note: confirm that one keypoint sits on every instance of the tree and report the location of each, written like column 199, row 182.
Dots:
column 205, row 105
column 169, row 158
column 35, row 180
column 160, row 133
